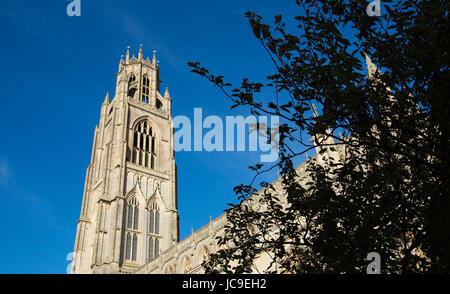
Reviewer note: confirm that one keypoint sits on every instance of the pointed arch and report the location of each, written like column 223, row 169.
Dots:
column 144, row 147
column 132, row 212
column 154, row 216
column 157, row 197
column 154, row 225
column 133, row 223
column 155, row 126
column 136, row 191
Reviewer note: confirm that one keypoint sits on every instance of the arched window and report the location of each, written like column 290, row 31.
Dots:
column 144, row 145
column 145, row 89
column 131, row 247
column 128, row 247
column 132, row 225
column 133, row 214
column 153, row 231
column 134, row 253
column 153, row 227
column 153, row 248
column 132, row 78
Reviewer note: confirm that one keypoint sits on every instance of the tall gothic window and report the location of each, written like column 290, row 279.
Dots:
column 153, row 231
column 153, row 248
column 134, row 251
column 133, row 214
column 144, row 145
column 131, row 247
column 145, row 89
column 128, row 247
column 153, row 227
column 131, row 88
column 132, row 225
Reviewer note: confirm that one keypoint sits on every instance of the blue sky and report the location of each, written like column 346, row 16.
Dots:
column 55, row 73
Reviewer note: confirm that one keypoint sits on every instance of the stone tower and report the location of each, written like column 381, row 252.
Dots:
column 129, row 211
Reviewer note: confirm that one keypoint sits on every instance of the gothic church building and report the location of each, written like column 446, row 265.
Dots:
column 129, row 215
column 129, row 210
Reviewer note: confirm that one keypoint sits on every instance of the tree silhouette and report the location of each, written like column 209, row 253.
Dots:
column 380, row 179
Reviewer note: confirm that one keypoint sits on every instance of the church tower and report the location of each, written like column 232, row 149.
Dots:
column 129, row 213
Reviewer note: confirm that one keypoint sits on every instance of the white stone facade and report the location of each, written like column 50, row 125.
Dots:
column 129, row 211
column 133, row 169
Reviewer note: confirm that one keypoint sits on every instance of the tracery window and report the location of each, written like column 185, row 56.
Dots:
column 131, row 88
column 132, row 225
column 144, row 145
column 153, row 247
column 132, row 214
column 153, row 231
column 153, row 219
column 145, row 89
column 131, row 246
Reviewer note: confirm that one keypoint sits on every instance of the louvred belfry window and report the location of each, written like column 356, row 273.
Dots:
column 131, row 86
column 145, row 89
column 144, row 145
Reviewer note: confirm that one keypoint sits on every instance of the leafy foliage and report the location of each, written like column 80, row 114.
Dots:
column 383, row 185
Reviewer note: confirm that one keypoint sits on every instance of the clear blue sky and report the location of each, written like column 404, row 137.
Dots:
column 55, row 72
